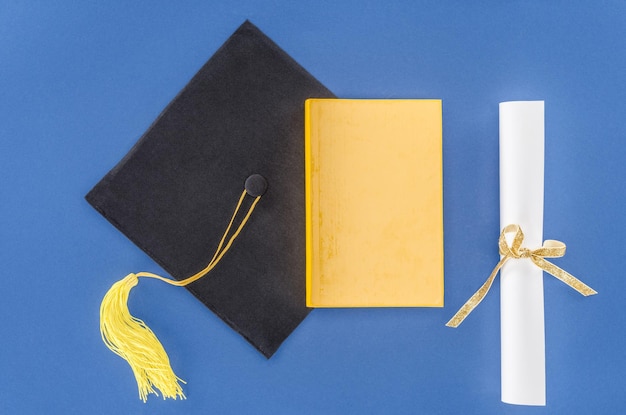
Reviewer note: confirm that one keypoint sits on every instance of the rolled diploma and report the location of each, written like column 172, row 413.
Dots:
column 521, row 286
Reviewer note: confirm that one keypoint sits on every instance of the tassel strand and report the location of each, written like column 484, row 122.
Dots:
column 131, row 339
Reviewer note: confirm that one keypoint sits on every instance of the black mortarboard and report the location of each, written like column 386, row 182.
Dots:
column 173, row 194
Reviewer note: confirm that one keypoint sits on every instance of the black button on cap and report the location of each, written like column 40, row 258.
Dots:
column 256, row 185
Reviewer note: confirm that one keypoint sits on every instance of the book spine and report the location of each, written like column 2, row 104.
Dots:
column 308, row 200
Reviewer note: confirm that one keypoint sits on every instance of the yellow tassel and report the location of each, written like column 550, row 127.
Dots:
column 132, row 339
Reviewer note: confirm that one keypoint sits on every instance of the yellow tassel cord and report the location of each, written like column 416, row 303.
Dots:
column 130, row 338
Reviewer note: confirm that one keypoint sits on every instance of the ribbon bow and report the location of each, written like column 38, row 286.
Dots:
column 550, row 249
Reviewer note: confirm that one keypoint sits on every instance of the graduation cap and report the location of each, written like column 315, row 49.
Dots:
column 222, row 166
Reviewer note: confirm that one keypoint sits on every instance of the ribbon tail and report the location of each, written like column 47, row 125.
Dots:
column 564, row 276
column 475, row 299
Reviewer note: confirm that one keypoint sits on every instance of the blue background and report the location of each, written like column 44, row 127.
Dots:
column 81, row 81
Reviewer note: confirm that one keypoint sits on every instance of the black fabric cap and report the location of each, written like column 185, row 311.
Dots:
column 173, row 194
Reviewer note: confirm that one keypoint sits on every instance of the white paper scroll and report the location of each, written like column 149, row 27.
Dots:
column 521, row 287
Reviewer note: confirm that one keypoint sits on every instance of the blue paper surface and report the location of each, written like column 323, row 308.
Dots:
column 79, row 83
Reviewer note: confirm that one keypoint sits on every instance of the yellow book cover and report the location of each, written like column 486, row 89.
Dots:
column 374, row 203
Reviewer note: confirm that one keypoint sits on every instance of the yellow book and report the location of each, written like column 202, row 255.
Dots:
column 374, row 203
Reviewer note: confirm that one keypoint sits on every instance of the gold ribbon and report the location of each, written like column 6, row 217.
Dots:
column 550, row 249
